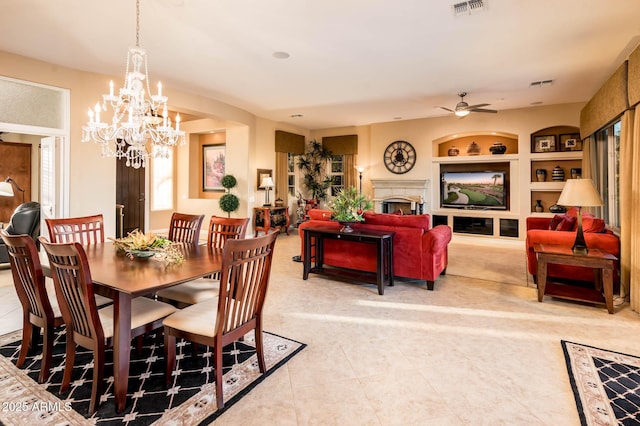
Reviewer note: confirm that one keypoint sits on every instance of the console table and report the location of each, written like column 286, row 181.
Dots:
column 267, row 217
column 601, row 262
column 314, row 239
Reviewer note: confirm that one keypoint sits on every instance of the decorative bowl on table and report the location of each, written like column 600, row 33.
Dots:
column 347, row 208
column 144, row 246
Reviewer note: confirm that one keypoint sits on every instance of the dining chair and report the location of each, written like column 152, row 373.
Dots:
column 221, row 229
column 86, row 325
column 40, row 309
column 185, row 228
column 217, row 322
column 84, row 230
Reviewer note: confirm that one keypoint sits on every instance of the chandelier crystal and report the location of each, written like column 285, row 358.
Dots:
column 137, row 130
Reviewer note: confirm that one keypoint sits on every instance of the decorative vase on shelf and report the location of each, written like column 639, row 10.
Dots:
column 541, row 175
column 557, row 208
column 558, row 174
column 498, row 148
column 576, row 173
column 453, row 151
column 539, row 208
column 473, row 149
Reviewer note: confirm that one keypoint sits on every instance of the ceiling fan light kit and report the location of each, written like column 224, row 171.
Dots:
column 463, row 109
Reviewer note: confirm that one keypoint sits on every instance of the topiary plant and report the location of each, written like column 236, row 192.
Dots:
column 229, row 202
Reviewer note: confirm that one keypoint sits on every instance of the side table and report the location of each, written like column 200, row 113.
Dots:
column 267, row 217
column 601, row 262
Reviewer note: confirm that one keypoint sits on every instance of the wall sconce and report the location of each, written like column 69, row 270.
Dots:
column 6, row 188
column 267, row 183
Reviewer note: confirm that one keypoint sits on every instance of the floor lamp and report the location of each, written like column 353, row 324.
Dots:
column 6, row 188
column 360, row 171
column 580, row 193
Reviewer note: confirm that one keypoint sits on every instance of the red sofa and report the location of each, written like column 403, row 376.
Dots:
column 561, row 230
column 418, row 252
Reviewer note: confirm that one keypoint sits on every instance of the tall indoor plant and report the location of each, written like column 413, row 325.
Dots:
column 313, row 164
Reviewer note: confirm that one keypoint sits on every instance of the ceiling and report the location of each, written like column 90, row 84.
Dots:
column 352, row 62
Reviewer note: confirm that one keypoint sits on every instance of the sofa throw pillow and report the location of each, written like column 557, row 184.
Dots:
column 592, row 224
column 566, row 224
column 319, row 214
column 555, row 221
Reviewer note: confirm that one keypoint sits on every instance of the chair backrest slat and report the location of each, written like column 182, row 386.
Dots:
column 185, row 228
column 246, row 268
column 27, row 274
column 74, row 288
column 84, row 230
column 223, row 228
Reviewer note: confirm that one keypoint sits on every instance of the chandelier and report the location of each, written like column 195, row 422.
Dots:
column 137, row 130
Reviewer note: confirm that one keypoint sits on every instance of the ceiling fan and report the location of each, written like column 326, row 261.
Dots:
column 463, row 109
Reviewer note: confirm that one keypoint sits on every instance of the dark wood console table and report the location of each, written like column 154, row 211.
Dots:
column 314, row 239
column 601, row 262
column 267, row 217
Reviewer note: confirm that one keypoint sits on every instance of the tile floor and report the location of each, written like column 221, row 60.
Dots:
column 472, row 352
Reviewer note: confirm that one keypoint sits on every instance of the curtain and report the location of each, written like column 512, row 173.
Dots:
column 350, row 179
column 630, row 207
column 282, row 177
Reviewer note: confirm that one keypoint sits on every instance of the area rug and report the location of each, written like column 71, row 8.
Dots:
column 191, row 400
column 606, row 384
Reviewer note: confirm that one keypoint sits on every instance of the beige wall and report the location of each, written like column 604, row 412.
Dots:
column 250, row 142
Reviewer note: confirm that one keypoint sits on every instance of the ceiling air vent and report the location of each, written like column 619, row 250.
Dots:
column 541, row 83
column 468, row 7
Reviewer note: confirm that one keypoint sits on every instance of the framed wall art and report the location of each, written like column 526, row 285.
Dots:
column 570, row 142
column 213, row 167
column 545, row 143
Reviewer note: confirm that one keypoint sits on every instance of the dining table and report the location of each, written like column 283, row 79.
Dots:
column 122, row 278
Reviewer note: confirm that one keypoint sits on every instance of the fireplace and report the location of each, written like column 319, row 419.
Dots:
column 391, row 195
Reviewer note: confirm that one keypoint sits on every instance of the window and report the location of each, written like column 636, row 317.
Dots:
column 162, row 183
column 606, row 171
column 291, row 174
column 336, row 165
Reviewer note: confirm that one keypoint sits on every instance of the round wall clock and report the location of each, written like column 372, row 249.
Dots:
column 399, row 157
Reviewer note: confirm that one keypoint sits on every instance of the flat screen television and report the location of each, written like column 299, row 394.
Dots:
column 482, row 190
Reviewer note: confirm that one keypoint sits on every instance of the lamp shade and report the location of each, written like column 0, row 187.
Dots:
column 6, row 189
column 579, row 193
column 267, row 182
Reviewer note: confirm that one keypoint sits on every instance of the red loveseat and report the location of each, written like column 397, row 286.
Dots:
column 561, row 230
column 418, row 252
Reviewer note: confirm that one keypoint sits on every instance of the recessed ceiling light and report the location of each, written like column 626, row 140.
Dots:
column 280, row 55
column 296, row 115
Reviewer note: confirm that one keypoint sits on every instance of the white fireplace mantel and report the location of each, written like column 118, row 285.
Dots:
column 402, row 190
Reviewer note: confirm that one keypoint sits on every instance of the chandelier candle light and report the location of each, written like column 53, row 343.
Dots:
column 135, row 117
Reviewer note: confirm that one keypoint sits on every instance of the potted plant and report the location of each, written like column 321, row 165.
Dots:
column 313, row 164
column 348, row 207
column 229, row 202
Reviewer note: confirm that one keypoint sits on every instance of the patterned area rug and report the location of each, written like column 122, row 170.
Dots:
column 189, row 401
column 606, row 385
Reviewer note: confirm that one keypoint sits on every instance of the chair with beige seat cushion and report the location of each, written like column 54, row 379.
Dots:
column 221, row 229
column 37, row 296
column 185, row 228
column 217, row 322
column 83, row 230
column 88, row 326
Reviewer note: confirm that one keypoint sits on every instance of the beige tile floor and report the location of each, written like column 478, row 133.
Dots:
column 472, row 352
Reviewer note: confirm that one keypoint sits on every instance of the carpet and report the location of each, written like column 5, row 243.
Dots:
column 189, row 401
column 504, row 264
column 606, row 384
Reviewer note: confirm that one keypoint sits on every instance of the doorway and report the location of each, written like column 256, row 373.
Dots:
column 131, row 195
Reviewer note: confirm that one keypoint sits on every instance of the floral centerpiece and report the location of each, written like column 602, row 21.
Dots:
column 139, row 244
column 348, row 207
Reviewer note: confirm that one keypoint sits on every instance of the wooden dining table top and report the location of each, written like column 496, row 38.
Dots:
column 111, row 269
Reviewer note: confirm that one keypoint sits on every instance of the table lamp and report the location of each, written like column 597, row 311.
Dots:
column 6, row 188
column 267, row 183
column 579, row 193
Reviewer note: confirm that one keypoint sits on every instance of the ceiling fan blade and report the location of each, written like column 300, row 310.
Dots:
column 447, row 109
column 477, row 106
column 483, row 110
